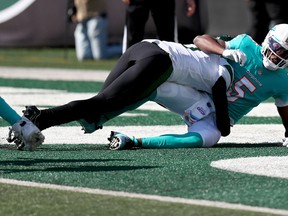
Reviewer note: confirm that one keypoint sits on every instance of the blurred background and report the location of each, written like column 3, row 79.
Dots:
column 44, row 23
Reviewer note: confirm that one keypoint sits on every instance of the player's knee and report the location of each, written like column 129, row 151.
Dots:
column 210, row 138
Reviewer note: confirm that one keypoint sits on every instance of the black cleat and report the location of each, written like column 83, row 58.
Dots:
column 32, row 113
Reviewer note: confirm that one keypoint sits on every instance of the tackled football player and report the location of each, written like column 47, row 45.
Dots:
column 262, row 76
column 142, row 69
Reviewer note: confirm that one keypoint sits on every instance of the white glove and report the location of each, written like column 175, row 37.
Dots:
column 285, row 142
column 235, row 55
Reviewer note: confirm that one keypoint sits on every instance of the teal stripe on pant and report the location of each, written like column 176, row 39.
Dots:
column 187, row 140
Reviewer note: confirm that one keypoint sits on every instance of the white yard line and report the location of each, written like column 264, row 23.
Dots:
column 147, row 197
column 271, row 166
column 53, row 74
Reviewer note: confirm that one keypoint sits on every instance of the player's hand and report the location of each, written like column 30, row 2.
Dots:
column 235, row 55
column 285, row 142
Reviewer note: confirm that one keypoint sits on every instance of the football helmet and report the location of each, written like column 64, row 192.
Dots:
column 275, row 48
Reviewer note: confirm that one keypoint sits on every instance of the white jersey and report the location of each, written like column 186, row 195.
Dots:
column 195, row 68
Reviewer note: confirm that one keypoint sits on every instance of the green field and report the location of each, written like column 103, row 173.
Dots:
column 50, row 57
column 131, row 182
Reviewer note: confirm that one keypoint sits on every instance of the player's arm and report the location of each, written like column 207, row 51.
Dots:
column 221, row 106
column 283, row 112
column 209, row 44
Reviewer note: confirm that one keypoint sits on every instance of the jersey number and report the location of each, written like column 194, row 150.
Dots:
column 237, row 91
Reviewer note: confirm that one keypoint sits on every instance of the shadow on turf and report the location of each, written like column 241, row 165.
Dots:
column 247, row 145
column 79, row 169
column 32, row 161
column 64, row 165
column 62, row 147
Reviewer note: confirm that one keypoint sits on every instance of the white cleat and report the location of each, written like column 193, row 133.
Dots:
column 119, row 141
column 25, row 135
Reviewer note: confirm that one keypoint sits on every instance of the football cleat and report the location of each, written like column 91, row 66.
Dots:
column 25, row 135
column 89, row 127
column 32, row 113
column 119, row 141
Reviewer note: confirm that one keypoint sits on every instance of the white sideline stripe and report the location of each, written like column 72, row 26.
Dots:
column 147, row 197
column 53, row 74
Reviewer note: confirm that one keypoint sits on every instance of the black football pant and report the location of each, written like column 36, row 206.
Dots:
column 137, row 74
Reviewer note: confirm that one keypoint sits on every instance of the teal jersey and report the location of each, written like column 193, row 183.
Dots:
column 253, row 83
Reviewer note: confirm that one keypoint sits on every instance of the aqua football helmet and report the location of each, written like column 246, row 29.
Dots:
column 275, row 48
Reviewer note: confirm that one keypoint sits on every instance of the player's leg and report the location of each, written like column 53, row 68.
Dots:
column 8, row 113
column 119, row 141
column 208, row 130
column 196, row 109
column 133, row 56
column 125, row 61
column 91, row 127
column 147, row 70
column 187, row 140
column 148, row 67
column 203, row 133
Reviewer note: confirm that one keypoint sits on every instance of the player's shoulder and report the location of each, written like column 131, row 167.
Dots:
column 243, row 41
column 244, row 38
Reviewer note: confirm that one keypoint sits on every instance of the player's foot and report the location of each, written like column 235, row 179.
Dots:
column 119, row 141
column 89, row 127
column 32, row 113
column 25, row 135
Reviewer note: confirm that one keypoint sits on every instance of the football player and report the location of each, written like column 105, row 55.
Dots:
column 135, row 78
column 262, row 76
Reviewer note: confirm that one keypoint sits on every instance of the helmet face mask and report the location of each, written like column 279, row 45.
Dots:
column 275, row 48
